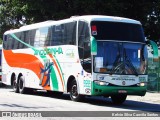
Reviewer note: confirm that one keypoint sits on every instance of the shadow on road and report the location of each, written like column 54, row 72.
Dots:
column 3, row 86
column 127, row 105
column 20, row 106
column 100, row 101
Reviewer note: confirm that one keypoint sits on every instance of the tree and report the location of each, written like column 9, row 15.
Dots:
column 152, row 25
column 147, row 12
column 15, row 13
column 11, row 12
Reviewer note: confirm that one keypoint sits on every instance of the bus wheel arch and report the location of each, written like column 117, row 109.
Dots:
column 70, row 79
column 73, row 89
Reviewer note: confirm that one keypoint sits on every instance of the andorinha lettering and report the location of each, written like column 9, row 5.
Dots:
column 47, row 51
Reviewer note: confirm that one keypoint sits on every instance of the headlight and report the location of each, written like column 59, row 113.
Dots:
column 100, row 82
column 142, row 84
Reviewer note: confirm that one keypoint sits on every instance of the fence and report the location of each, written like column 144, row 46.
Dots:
column 153, row 72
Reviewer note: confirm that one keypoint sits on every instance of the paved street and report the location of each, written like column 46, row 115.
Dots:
column 41, row 101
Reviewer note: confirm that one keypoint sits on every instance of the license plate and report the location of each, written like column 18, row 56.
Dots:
column 122, row 91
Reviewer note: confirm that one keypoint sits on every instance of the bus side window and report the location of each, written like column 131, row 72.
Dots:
column 5, row 41
column 43, row 36
column 48, row 37
column 9, row 42
column 26, row 38
column 63, row 34
column 21, row 37
column 37, row 38
column 16, row 42
column 32, row 34
column 57, row 35
column 69, row 33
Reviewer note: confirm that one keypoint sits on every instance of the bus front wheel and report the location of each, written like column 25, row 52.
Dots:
column 74, row 95
column 118, row 99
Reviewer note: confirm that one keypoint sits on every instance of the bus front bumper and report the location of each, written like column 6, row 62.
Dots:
column 100, row 90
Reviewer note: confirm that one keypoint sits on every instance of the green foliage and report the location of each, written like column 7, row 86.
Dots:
column 0, row 40
column 15, row 13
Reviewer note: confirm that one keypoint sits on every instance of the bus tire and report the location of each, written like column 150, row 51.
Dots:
column 118, row 99
column 15, row 86
column 74, row 92
column 22, row 89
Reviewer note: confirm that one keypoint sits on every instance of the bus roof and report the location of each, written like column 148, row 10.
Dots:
column 87, row 18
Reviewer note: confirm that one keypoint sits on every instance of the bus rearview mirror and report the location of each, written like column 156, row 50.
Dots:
column 155, row 50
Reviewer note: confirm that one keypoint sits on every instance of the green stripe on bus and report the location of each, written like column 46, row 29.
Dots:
column 54, row 79
column 60, row 69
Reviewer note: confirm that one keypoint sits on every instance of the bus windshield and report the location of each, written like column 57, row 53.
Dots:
column 120, row 58
column 103, row 30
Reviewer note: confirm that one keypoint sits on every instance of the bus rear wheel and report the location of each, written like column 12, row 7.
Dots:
column 74, row 95
column 15, row 86
column 22, row 88
column 118, row 99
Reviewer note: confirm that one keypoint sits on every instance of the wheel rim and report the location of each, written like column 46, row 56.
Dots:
column 74, row 92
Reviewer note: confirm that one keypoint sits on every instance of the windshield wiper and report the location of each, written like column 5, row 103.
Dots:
column 128, row 62
column 116, row 62
column 120, row 64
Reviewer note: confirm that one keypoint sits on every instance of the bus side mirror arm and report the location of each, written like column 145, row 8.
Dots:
column 154, row 47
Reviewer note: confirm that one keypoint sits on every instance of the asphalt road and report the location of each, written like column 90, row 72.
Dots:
column 41, row 101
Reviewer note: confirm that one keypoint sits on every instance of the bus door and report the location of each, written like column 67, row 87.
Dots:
column 85, row 57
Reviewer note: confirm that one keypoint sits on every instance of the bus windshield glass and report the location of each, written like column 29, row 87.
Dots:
column 120, row 58
column 103, row 30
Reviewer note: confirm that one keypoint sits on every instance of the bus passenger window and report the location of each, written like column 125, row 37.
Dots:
column 32, row 34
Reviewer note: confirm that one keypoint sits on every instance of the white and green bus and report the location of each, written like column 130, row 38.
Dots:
column 85, row 56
